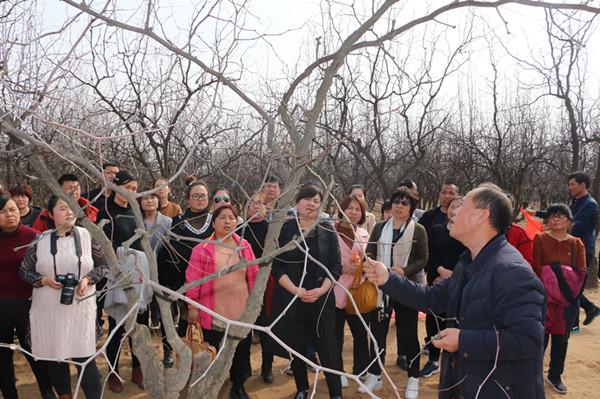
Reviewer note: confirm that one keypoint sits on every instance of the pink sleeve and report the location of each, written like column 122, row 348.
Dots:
column 252, row 270
column 194, row 272
column 363, row 238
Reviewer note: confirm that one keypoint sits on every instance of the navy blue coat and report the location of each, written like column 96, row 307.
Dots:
column 494, row 298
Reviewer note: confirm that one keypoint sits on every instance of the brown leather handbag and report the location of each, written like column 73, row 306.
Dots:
column 364, row 294
column 195, row 340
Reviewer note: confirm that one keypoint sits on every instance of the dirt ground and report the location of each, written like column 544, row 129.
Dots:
column 582, row 371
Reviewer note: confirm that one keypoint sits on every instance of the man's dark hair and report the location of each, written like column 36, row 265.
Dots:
column 124, row 177
column 451, row 183
column 581, row 177
column 67, row 177
column 273, row 179
column 108, row 165
column 489, row 196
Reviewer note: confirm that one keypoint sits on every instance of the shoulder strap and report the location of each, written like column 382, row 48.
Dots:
column 572, row 252
column 78, row 250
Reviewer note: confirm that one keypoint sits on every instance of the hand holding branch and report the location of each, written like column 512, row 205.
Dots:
column 376, row 272
column 447, row 340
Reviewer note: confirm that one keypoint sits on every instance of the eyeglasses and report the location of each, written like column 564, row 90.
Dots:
column 198, row 196
column 224, row 198
column 557, row 216
column 399, row 201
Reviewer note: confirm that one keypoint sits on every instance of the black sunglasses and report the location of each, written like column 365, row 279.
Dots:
column 400, row 201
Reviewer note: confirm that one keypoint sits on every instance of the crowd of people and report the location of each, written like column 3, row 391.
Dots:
column 493, row 296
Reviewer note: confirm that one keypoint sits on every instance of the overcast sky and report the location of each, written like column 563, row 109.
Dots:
column 293, row 25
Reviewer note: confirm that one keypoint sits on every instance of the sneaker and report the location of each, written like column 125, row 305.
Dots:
column 344, row 381
column 372, row 383
column 412, row 388
column 430, row 369
column 402, row 362
column 575, row 330
column 591, row 315
column 557, row 385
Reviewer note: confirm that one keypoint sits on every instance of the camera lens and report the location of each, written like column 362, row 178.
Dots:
column 66, row 295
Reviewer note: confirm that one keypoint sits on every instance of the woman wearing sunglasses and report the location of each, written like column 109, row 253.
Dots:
column 401, row 244
column 222, row 196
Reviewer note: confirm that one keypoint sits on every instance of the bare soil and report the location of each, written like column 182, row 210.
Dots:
column 582, row 371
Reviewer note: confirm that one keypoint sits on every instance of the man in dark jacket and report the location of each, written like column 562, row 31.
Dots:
column 433, row 217
column 494, row 305
column 99, row 195
column 439, row 215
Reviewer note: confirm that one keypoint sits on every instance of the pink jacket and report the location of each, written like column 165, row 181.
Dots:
column 346, row 254
column 202, row 264
column 557, row 303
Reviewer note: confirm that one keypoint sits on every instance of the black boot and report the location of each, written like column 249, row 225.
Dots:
column 267, row 374
column 238, row 392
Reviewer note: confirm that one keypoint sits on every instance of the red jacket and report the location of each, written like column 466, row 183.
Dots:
column 202, row 264
column 41, row 223
column 557, row 303
column 518, row 238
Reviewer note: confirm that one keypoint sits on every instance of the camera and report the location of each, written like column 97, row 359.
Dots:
column 69, row 281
